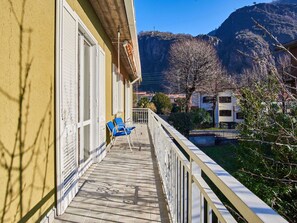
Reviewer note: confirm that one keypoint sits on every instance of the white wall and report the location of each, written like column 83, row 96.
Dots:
column 197, row 100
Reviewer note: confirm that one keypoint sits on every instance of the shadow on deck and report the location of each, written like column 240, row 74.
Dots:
column 124, row 187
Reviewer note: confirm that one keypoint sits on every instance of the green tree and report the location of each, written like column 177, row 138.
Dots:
column 181, row 104
column 268, row 148
column 143, row 102
column 162, row 103
column 182, row 121
column 152, row 106
column 185, row 122
column 201, row 118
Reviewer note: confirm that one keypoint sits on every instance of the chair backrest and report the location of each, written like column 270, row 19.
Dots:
column 111, row 127
column 119, row 121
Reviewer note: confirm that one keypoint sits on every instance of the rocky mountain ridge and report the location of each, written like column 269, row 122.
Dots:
column 237, row 33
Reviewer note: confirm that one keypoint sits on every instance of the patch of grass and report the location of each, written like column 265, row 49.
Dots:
column 211, row 128
column 224, row 155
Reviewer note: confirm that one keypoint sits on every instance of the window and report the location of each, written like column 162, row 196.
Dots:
column 227, row 113
column 85, row 58
column 225, row 99
column 239, row 115
column 207, row 99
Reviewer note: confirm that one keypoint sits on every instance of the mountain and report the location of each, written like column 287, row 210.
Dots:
column 154, row 48
column 154, row 54
column 285, row 2
column 237, row 33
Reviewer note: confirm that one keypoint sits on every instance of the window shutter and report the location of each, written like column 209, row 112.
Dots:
column 69, row 107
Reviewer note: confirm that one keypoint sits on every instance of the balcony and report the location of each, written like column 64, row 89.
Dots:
column 166, row 180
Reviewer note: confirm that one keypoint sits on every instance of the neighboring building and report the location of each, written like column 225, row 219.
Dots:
column 60, row 84
column 174, row 97
column 226, row 110
column 144, row 94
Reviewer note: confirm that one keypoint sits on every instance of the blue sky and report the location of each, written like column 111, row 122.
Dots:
column 185, row 16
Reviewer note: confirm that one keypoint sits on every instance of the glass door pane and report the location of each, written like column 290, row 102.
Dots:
column 87, row 79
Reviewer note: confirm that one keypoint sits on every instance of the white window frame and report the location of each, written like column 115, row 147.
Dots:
column 85, row 36
column 63, row 202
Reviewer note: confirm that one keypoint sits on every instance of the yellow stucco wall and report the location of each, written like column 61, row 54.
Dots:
column 27, row 59
column 86, row 13
column 27, row 109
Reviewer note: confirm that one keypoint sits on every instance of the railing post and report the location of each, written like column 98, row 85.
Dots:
column 202, row 206
column 190, row 193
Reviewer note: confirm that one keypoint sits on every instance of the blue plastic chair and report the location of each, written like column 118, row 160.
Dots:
column 121, row 125
column 115, row 132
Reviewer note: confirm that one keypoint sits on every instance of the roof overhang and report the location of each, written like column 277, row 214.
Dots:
column 119, row 15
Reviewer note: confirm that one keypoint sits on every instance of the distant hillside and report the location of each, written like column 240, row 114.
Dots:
column 285, row 1
column 154, row 48
column 238, row 32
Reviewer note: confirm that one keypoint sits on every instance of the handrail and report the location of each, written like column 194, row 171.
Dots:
column 252, row 208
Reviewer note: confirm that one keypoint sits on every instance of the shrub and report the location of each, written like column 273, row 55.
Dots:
column 143, row 102
column 152, row 106
column 201, row 118
column 185, row 122
column 162, row 103
column 181, row 104
column 182, row 122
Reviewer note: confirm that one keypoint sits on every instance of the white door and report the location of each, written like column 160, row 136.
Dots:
column 84, row 77
column 96, row 104
column 68, row 116
column 102, row 102
column 98, row 115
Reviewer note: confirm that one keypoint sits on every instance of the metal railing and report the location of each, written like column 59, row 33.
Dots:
column 189, row 196
column 140, row 115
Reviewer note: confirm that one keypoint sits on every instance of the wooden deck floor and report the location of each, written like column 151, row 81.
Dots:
column 124, row 187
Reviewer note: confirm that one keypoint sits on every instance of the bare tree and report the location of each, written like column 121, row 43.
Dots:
column 192, row 65
column 251, row 76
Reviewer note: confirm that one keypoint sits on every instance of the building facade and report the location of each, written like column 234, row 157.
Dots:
column 226, row 107
column 68, row 67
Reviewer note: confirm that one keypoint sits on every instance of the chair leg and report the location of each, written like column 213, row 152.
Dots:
column 114, row 141
column 128, row 138
column 131, row 141
column 137, row 137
